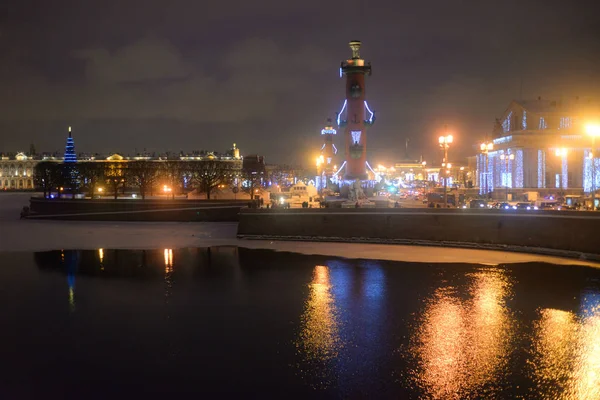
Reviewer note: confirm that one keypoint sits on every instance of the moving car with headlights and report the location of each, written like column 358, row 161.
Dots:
column 478, row 203
column 526, row 206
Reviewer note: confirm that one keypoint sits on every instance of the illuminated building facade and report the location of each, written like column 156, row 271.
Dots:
column 326, row 161
column 541, row 146
column 355, row 116
column 17, row 171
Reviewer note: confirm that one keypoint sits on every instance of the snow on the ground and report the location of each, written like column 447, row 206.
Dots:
column 40, row 235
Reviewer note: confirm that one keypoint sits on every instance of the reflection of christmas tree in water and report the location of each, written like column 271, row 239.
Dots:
column 70, row 260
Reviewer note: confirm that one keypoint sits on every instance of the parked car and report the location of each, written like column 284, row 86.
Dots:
column 526, row 206
column 506, row 206
column 477, row 204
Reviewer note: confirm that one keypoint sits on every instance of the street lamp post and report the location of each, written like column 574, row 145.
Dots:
column 593, row 131
column 507, row 159
column 485, row 148
column 445, row 142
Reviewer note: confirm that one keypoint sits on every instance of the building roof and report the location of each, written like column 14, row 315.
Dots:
column 549, row 105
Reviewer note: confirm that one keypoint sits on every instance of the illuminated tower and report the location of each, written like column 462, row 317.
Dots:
column 325, row 161
column 358, row 116
column 70, row 156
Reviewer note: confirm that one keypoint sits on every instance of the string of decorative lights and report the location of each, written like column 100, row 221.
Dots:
column 519, row 169
column 541, row 169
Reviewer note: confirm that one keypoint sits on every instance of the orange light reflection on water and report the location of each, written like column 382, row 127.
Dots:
column 463, row 345
column 566, row 355
column 318, row 337
column 168, row 260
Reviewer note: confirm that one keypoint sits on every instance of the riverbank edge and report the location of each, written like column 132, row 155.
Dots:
column 574, row 255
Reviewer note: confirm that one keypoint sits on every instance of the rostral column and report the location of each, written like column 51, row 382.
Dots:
column 358, row 116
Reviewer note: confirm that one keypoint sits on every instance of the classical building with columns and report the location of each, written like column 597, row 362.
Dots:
column 17, row 172
column 541, row 146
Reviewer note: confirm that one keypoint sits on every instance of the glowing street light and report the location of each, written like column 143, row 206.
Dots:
column 561, row 152
column 445, row 142
column 167, row 190
column 485, row 149
column 593, row 130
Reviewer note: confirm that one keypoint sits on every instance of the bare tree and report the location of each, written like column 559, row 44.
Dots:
column 90, row 174
column 45, row 175
column 279, row 175
column 143, row 174
column 172, row 171
column 207, row 175
column 114, row 176
column 251, row 181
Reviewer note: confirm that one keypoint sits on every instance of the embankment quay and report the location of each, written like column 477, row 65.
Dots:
column 569, row 233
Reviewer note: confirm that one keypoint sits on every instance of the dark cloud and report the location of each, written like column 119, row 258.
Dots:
column 187, row 75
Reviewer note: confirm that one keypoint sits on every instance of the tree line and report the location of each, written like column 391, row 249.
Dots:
column 145, row 176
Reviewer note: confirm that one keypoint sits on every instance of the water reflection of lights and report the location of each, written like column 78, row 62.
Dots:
column 70, row 260
column 168, row 254
column 71, row 299
column 168, row 260
column 101, row 258
column 319, row 337
column 463, row 345
column 566, row 354
column 319, row 341
column 442, row 347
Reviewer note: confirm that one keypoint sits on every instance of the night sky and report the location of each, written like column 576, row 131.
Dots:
column 190, row 75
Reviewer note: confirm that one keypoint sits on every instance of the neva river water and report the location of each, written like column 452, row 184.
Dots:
column 228, row 321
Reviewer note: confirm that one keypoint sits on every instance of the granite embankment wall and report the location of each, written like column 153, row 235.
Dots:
column 136, row 209
column 574, row 234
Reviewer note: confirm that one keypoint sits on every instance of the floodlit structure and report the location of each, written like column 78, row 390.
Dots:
column 16, row 173
column 326, row 159
column 541, row 145
column 70, row 156
column 355, row 116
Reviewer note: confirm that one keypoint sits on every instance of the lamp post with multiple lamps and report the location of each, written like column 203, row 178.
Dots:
column 507, row 158
column 593, row 131
column 445, row 142
column 485, row 149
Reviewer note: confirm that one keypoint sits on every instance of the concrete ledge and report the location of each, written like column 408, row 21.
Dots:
column 427, row 243
column 136, row 210
column 564, row 234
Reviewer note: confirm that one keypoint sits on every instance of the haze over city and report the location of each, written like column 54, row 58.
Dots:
column 135, row 75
